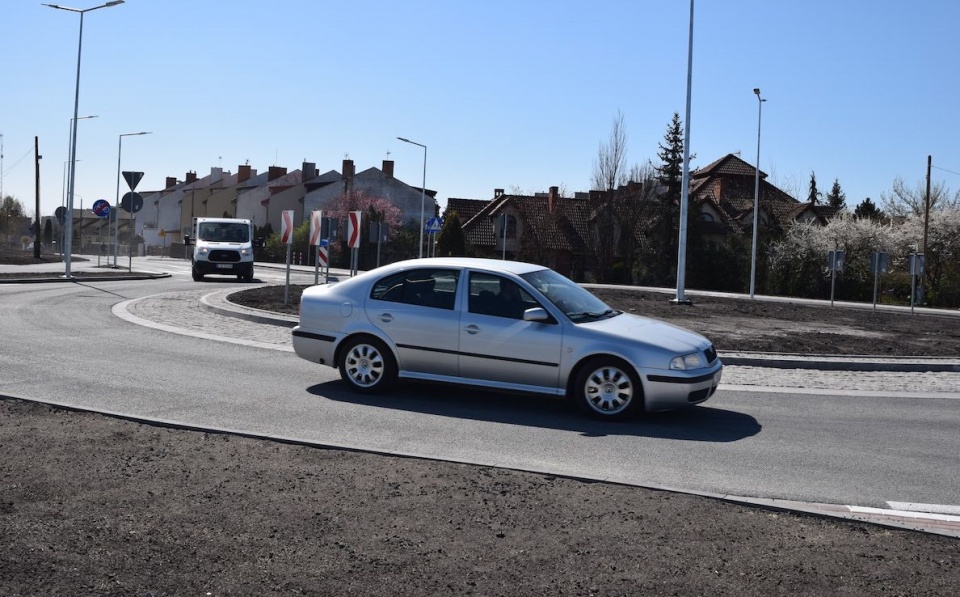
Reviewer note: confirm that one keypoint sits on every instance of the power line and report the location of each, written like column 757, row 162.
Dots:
column 15, row 164
column 945, row 170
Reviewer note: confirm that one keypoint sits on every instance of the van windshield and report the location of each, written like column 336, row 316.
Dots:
column 224, row 232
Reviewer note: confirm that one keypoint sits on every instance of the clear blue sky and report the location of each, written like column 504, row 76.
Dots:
column 505, row 93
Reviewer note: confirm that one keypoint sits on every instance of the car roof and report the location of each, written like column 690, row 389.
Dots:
column 513, row 267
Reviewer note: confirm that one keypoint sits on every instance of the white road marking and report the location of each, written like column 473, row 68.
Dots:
column 931, row 508
column 904, row 514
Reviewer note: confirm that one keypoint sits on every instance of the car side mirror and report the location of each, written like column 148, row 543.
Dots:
column 536, row 314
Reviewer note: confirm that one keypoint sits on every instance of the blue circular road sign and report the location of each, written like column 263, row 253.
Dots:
column 101, row 207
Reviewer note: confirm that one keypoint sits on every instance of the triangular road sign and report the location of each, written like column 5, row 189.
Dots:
column 133, row 179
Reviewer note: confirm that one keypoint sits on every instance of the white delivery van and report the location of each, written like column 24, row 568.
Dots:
column 222, row 246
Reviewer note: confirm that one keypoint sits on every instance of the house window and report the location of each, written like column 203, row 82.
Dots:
column 511, row 224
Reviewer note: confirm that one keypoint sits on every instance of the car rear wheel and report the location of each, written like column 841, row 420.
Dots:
column 367, row 365
column 608, row 389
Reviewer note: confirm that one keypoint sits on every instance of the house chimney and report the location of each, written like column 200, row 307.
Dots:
column 275, row 172
column 171, row 182
column 191, row 177
column 388, row 168
column 497, row 193
column 347, row 174
column 552, row 198
column 308, row 171
column 243, row 173
column 596, row 197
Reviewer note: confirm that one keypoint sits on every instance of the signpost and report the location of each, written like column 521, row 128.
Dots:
column 101, row 209
column 878, row 265
column 379, row 231
column 316, row 227
column 61, row 214
column 353, row 240
column 434, row 225
column 286, row 238
column 916, row 263
column 129, row 205
column 835, row 263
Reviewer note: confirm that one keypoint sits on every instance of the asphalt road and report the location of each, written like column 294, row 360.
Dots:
column 63, row 343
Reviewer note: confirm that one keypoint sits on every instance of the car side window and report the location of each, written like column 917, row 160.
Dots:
column 424, row 287
column 501, row 297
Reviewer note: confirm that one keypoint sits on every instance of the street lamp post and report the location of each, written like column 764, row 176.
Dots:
column 65, row 163
column 423, row 189
column 756, row 198
column 68, row 231
column 116, row 221
column 681, row 298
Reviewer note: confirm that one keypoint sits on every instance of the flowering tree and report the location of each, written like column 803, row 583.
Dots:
column 798, row 262
column 374, row 208
column 378, row 208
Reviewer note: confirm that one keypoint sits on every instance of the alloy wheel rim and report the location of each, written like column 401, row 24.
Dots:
column 609, row 390
column 365, row 365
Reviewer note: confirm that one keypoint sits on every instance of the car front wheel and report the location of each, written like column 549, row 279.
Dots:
column 608, row 389
column 367, row 365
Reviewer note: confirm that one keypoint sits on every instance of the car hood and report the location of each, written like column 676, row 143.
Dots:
column 649, row 331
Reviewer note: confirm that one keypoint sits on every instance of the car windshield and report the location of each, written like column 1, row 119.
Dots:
column 576, row 303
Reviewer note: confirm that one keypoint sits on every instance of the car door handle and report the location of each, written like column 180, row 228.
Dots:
column 472, row 329
column 386, row 317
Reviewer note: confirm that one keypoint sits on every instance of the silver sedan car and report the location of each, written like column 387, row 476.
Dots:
column 504, row 325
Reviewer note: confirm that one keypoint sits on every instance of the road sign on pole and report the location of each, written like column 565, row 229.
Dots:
column 133, row 179
column 101, row 208
column 286, row 227
column 315, row 227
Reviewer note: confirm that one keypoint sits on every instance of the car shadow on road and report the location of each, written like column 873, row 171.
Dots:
column 699, row 423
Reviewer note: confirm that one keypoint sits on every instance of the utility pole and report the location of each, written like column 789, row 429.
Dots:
column 36, row 235
column 926, row 215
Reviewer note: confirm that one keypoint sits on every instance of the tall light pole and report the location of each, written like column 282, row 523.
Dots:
column 69, row 149
column 423, row 189
column 116, row 205
column 63, row 201
column 756, row 198
column 68, row 230
column 681, row 299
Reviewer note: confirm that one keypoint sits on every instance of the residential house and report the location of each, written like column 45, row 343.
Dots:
column 373, row 181
column 569, row 234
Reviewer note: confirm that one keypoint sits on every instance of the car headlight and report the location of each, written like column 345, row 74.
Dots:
column 244, row 252
column 203, row 251
column 687, row 361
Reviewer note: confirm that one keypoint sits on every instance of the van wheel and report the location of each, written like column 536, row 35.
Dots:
column 197, row 276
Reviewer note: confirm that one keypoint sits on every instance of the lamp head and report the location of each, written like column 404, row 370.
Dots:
column 756, row 90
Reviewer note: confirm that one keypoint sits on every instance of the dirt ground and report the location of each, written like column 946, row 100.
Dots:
column 744, row 325
column 95, row 505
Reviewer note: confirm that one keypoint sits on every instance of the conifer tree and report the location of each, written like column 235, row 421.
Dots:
column 836, row 197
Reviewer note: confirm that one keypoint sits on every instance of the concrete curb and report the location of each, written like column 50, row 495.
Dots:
column 837, row 363
column 49, row 279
